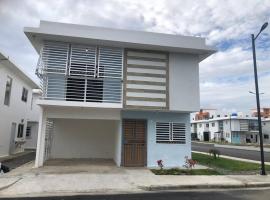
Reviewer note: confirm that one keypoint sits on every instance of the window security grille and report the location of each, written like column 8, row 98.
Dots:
column 170, row 132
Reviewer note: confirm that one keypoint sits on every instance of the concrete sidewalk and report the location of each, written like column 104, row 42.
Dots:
column 122, row 180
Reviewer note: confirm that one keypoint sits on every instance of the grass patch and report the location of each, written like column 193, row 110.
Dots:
column 177, row 171
column 226, row 164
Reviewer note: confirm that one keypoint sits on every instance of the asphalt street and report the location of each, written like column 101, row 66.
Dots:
column 19, row 160
column 243, row 194
column 239, row 153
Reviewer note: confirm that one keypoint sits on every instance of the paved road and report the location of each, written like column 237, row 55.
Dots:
column 20, row 160
column 244, row 194
column 239, row 153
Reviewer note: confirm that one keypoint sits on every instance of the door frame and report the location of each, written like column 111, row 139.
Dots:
column 123, row 140
column 12, row 145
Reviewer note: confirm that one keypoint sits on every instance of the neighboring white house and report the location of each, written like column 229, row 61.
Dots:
column 231, row 128
column 116, row 94
column 18, row 111
column 266, row 130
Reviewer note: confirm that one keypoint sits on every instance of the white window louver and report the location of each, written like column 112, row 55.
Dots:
column 54, row 57
column 110, row 61
column 78, row 72
column 170, row 132
column 82, row 61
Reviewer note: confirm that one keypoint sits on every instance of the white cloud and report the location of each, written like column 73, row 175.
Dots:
column 230, row 21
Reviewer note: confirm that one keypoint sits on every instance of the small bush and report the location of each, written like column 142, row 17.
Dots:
column 160, row 164
column 189, row 163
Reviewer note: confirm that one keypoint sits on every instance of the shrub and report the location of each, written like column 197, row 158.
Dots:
column 160, row 164
column 214, row 153
column 189, row 163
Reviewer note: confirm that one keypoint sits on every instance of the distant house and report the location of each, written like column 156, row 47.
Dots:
column 265, row 112
column 18, row 111
column 266, row 130
column 116, row 94
column 231, row 128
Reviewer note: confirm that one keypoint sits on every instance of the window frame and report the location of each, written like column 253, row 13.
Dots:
column 20, row 130
column 7, row 95
column 175, row 134
column 24, row 95
column 28, row 131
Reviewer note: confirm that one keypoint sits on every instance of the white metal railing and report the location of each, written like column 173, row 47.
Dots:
column 73, row 72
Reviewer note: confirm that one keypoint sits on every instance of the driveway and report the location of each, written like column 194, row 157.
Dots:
column 239, row 153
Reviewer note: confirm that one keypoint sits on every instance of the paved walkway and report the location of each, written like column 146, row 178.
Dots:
column 25, row 181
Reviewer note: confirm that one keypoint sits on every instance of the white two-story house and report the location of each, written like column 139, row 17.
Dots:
column 231, row 128
column 19, row 115
column 116, row 94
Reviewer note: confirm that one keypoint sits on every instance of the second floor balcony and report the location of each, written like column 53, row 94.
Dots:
column 81, row 73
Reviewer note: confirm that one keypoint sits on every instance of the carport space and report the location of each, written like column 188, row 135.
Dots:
column 81, row 142
column 80, row 165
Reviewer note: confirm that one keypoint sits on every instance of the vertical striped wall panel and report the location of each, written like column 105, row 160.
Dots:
column 146, row 80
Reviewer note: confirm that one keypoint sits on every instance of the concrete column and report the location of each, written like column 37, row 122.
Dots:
column 41, row 139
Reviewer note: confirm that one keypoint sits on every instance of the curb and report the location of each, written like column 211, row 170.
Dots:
column 203, row 186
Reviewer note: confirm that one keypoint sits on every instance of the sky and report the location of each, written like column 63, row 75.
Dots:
column 225, row 77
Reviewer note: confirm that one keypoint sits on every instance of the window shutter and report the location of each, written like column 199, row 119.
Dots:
column 110, row 61
column 82, row 61
column 170, row 132
column 179, row 133
column 54, row 58
column 162, row 132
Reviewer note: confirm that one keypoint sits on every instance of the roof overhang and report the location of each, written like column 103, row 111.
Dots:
column 117, row 37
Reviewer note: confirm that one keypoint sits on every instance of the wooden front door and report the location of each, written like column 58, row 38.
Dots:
column 134, row 151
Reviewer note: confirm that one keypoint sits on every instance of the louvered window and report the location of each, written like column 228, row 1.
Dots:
column 54, row 58
column 82, row 60
column 170, row 132
column 76, row 72
column 110, row 62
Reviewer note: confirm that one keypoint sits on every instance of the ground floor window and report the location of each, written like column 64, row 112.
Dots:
column 170, row 132
column 20, row 131
column 28, row 131
column 265, row 136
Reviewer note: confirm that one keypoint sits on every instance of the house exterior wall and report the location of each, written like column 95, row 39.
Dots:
column 84, row 138
column 213, row 129
column 31, row 141
column 171, row 154
column 156, row 74
column 17, row 112
column 184, row 92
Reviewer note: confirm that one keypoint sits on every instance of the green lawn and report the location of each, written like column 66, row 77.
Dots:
column 226, row 164
column 177, row 171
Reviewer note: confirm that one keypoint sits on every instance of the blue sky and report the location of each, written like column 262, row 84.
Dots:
column 225, row 77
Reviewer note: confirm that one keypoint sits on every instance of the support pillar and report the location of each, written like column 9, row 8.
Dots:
column 41, row 139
